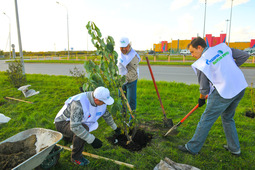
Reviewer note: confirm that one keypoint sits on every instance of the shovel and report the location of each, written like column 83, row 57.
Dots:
column 167, row 122
column 173, row 129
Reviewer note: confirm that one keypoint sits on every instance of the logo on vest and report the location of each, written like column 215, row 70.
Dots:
column 98, row 114
column 217, row 57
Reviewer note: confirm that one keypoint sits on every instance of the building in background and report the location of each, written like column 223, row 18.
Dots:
column 176, row 45
column 212, row 41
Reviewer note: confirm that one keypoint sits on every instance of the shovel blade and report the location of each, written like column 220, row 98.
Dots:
column 168, row 123
column 172, row 131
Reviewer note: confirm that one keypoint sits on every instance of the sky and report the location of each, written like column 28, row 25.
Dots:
column 43, row 23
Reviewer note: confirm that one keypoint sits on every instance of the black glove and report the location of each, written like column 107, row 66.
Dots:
column 117, row 131
column 81, row 89
column 201, row 102
column 97, row 143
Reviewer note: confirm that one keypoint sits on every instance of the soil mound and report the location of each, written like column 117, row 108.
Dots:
column 140, row 140
column 14, row 153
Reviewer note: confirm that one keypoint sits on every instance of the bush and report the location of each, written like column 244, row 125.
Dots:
column 15, row 75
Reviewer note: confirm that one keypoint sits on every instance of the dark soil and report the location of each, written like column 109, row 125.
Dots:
column 250, row 114
column 140, row 140
column 14, row 153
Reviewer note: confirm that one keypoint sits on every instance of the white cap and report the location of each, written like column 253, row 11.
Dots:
column 103, row 94
column 124, row 42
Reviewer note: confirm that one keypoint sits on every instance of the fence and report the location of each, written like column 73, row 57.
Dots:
column 153, row 58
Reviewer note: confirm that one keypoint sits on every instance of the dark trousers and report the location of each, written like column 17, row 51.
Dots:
column 78, row 143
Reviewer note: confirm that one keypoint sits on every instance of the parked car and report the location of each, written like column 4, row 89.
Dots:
column 185, row 52
column 151, row 52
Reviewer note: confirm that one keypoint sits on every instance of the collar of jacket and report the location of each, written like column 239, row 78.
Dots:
column 91, row 98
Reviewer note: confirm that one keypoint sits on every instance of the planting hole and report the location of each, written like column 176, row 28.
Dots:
column 250, row 114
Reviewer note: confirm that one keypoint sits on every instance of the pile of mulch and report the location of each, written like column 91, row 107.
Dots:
column 140, row 140
column 14, row 153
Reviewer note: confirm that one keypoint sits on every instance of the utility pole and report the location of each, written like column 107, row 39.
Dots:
column 9, row 34
column 230, row 21
column 204, row 19
column 67, row 27
column 19, row 37
column 227, row 27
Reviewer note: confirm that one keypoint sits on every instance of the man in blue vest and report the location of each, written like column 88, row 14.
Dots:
column 128, row 62
column 78, row 117
column 219, row 76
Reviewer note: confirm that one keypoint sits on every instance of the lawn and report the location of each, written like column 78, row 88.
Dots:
column 178, row 99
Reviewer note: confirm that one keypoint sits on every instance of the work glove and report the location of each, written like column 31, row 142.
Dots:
column 97, row 143
column 117, row 131
column 201, row 102
column 81, row 89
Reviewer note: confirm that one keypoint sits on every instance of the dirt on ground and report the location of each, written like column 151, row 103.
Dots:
column 250, row 114
column 140, row 140
column 14, row 153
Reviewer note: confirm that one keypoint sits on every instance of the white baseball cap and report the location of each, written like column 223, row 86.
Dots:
column 124, row 41
column 103, row 94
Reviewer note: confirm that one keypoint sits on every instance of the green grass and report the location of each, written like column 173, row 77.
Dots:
column 178, row 99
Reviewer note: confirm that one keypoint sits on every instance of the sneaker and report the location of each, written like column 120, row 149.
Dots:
column 184, row 149
column 237, row 153
column 82, row 162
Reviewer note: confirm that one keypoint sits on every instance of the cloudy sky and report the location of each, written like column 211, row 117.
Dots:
column 43, row 23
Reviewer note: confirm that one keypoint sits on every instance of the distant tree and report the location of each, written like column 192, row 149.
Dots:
column 1, row 52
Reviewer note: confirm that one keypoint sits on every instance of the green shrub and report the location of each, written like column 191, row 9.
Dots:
column 15, row 75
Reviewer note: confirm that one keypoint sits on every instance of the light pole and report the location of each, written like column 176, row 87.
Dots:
column 9, row 33
column 19, row 37
column 227, row 27
column 67, row 26
column 230, row 21
column 171, row 45
column 204, row 19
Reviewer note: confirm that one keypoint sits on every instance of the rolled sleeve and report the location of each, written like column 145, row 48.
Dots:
column 109, row 120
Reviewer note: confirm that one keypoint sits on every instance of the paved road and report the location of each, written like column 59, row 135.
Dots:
column 161, row 73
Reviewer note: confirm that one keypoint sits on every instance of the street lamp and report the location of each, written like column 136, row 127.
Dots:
column 67, row 26
column 204, row 19
column 19, row 38
column 227, row 27
column 9, row 33
column 230, row 21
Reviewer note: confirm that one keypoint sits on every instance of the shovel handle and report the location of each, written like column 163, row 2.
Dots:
column 191, row 111
column 155, row 85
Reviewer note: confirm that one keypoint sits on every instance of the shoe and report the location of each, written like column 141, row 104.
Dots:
column 184, row 149
column 237, row 153
column 82, row 162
